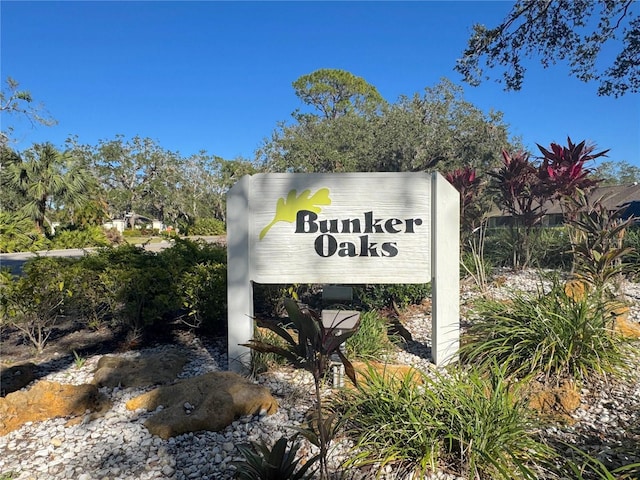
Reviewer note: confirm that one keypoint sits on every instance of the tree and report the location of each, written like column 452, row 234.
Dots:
column 335, row 92
column 207, row 178
column 439, row 130
column 10, row 199
column 571, row 30
column 46, row 179
column 617, row 173
column 343, row 144
column 139, row 177
column 436, row 131
column 20, row 102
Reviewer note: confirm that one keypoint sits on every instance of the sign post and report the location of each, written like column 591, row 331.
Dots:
column 349, row 228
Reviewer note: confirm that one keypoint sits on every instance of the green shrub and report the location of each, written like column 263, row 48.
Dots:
column 544, row 333
column 279, row 462
column 585, row 467
column 144, row 289
column 598, row 243
column 632, row 237
column 206, row 226
column 460, row 421
column 203, row 289
column 472, row 265
column 96, row 299
column 90, row 236
column 263, row 361
column 35, row 301
column 550, row 247
column 269, row 298
column 147, row 287
column 632, row 259
column 498, row 248
column 135, row 281
column 370, row 341
column 140, row 232
column 185, row 253
column 379, row 296
column 18, row 234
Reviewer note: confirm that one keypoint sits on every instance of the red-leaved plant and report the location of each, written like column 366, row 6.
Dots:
column 526, row 190
column 467, row 182
column 563, row 168
column 473, row 215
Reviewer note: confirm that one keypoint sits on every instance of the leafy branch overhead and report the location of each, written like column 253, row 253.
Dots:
column 572, row 30
column 287, row 210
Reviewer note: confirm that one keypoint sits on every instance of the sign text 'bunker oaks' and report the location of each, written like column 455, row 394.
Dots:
column 326, row 244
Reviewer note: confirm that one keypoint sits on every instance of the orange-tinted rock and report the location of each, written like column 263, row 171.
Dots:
column 138, row 372
column 216, row 399
column 559, row 400
column 625, row 327
column 576, row 289
column 47, row 400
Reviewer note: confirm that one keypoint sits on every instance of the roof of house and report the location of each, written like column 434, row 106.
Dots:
column 613, row 197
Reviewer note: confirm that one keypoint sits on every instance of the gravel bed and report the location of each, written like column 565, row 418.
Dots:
column 118, row 446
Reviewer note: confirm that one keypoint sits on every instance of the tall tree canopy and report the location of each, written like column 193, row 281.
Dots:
column 15, row 101
column 44, row 179
column 336, row 92
column 617, row 173
column 571, row 30
column 437, row 130
column 139, row 178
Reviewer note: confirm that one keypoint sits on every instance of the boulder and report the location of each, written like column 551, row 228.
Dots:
column 155, row 369
column 48, row 400
column 16, row 377
column 624, row 327
column 207, row 402
column 617, row 308
column 558, row 401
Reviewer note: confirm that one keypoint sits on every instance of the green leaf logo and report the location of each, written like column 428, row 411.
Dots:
column 287, row 210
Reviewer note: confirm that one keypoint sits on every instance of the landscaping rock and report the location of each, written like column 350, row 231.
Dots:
column 16, row 377
column 48, row 400
column 207, row 402
column 625, row 327
column 559, row 400
column 113, row 371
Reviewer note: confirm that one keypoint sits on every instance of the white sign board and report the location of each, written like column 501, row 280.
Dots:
column 349, row 228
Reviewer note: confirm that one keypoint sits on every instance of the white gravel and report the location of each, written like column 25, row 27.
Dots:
column 118, row 446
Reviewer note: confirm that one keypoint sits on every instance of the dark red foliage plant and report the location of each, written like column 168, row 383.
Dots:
column 563, row 168
column 468, row 183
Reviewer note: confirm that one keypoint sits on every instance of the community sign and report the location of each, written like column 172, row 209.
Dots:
column 351, row 228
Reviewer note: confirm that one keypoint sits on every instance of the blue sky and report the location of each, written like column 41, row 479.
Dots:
column 217, row 76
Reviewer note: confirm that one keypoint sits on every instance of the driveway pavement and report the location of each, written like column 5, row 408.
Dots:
column 15, row 261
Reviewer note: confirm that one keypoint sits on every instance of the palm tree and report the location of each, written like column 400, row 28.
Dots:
column 46, row 178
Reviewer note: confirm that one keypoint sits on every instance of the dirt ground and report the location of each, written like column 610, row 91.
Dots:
column 70, row 336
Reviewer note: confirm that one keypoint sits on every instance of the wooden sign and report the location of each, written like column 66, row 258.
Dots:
column 350, row 228
column 347, row 228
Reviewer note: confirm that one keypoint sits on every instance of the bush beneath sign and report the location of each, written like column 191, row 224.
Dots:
column 379, row 296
